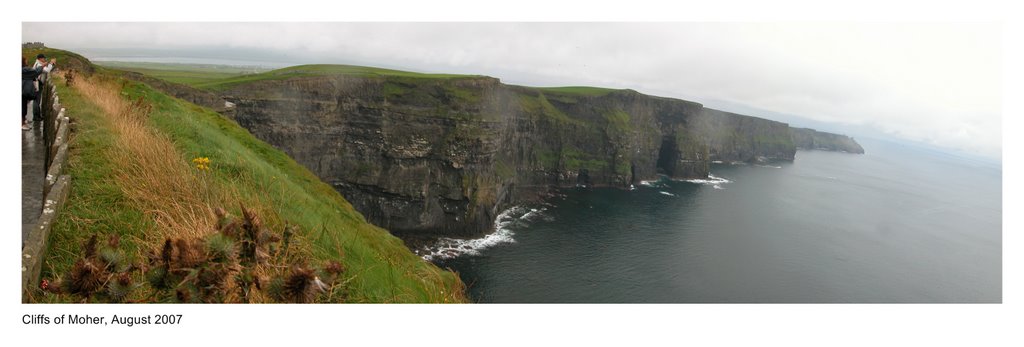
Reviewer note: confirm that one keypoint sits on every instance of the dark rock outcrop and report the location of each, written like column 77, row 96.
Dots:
column 443, row 156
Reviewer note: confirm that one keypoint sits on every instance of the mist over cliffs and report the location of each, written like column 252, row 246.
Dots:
column 444, row 155
column 805, row 138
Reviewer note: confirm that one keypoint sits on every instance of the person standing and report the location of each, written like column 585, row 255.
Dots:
column 28, row 88
column 46, row 68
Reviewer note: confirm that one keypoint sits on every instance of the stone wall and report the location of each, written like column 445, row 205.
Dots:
column 56, row 129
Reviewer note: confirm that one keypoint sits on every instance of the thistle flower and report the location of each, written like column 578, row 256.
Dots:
column 167, row 251
column 190, row 254
column 211, row 281
column 302, row 285
column 114, row 258
column 334, row 267
column 114, row 241
column 119, row 288
column 85, row 278
column 157, row 277
column 221, row 248
column 332, row 271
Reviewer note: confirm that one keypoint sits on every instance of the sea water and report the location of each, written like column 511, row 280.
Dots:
column 898, row 224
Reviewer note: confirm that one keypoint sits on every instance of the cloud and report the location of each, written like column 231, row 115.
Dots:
column 934, row 82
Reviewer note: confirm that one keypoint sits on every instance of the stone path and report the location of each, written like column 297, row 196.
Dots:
column 33, row 156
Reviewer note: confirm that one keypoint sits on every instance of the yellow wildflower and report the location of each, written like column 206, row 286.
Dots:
column 202, row 163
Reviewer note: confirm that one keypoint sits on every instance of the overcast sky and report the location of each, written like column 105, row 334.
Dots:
column 935, row 83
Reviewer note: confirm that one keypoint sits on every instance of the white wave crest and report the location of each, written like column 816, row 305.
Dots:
column 448, row 247
column 712, row 180
column 667, row 193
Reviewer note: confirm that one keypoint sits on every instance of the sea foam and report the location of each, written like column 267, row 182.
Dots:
column 448, row 247
column 711, row 180
column 652, row 184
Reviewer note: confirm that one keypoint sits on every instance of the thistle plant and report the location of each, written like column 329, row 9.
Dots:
column 233, row 264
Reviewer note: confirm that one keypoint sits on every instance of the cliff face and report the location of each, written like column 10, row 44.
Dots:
column 805, row 138
column 445, row 155
column 733, row 137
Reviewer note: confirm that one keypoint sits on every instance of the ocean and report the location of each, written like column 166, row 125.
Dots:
column 899, row 224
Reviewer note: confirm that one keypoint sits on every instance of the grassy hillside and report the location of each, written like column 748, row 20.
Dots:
column 189, row 74
column 131, row 165
column 318, row 70
column 65, row 60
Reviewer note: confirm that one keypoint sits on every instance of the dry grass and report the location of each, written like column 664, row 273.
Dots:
column 150, row 170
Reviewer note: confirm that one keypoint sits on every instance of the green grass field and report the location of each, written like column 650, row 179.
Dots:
column 190, row 74
column 320, row 70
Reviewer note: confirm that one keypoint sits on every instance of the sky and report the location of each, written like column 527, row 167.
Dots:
column 936, row 83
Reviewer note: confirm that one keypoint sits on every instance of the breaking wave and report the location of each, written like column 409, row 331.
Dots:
column 712, row 180
column 652, row 184
column 514, row 217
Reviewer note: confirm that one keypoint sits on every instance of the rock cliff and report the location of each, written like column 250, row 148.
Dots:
column 443, row 156
column 805, row 138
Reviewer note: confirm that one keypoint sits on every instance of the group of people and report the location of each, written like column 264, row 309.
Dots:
column 32, row 78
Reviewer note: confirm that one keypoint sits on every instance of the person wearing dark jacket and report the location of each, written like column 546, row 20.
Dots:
column 28, row 88
column 47, row 67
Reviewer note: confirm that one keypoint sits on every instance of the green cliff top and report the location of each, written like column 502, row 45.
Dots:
column 222, row 77
column 321, row 70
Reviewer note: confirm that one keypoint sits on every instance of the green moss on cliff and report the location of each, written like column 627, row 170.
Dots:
column 577, row 90
column 576, row 159
column 462, row 95
column 395, row 90
column 618, row 122
column 570, row 158
column 548, row 159
column 538, row 105
column 504, row 169
column 780, row 140
column 623, row 168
